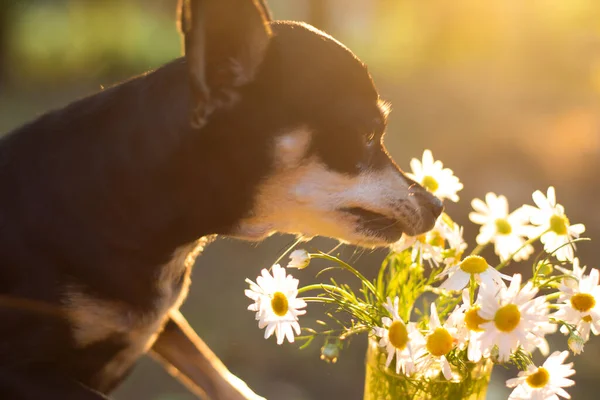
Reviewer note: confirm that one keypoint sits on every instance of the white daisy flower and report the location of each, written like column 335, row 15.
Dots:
column 537, row 337
column 299, row 259
column 460, row 275
column 578, row 270
column 426, row 247
column 439, row 341
column 581, row 305
column 545, row 382
column 434, row 177
column 572, row 278
column 456, row 245
column 513, row 314
column 506, row 231
column 275, row 303
column 404, row 243
column 398, row 338
column 551, row 216
column 468, row 322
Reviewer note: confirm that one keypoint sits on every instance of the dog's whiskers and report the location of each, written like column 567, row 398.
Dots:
column 375, row 219
column 357, row 254
column 288, row 249
column 388, row 226
column 337, row 246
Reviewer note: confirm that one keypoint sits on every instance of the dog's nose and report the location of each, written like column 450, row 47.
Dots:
column 430, row 202
column 435, row 205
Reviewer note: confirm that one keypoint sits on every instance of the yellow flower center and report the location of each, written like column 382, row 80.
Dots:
column 474, row 264
column 587, row 318
column 559, row 224
column 539, row 378
column 279, row 304
column 430, row 183
column 398, row 335
column 583, row 302
column 439, row 342
column 437, row 239
column 507, row 318
column 503, row 226
column 473, row 320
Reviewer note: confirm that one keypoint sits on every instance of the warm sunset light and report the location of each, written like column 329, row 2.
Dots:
column 456, row 142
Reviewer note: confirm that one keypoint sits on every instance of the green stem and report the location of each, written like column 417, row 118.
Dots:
column 553, row 296
column 318, row 286
column 355, row 309
column 380, row 276
column 356, row 331
column 477, row 250
column 329, row 332
column 315, row 299
column 360, row 276
column 552, row 279
column 472, row 290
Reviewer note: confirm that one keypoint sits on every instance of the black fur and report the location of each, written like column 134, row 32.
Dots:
column 99, row 194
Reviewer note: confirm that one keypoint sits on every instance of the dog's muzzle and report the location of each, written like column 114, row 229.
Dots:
column 424, row 210
column 373, row 223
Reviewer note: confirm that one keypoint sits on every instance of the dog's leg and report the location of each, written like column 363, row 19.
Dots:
column 30, row 385
column 189, row 359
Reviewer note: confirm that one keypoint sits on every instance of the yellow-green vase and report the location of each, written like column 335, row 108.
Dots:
column 383, row 383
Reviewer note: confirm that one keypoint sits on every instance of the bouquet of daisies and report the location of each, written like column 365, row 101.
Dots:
column 436, row 311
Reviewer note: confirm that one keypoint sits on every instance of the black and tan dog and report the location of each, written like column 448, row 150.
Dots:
column 103, row 202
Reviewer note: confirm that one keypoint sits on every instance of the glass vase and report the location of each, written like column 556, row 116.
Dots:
column 383, row 383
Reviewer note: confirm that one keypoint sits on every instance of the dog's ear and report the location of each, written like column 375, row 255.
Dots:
column 224, row 44
column 264, row 8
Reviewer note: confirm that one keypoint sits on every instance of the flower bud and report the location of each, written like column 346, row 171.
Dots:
column 575, row 343
column 544, row 268
column 299, row 259
column 330, row 352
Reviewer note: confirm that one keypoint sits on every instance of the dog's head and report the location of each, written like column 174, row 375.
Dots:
column 329, row 173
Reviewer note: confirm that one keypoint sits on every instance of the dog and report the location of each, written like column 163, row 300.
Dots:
column 261, row 127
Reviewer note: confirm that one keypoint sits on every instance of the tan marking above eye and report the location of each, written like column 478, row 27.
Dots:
column 291, row 147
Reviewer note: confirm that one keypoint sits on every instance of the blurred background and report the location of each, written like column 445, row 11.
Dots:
column 506, row 93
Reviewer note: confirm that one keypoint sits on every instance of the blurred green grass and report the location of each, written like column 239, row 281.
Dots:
column 78, row 40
